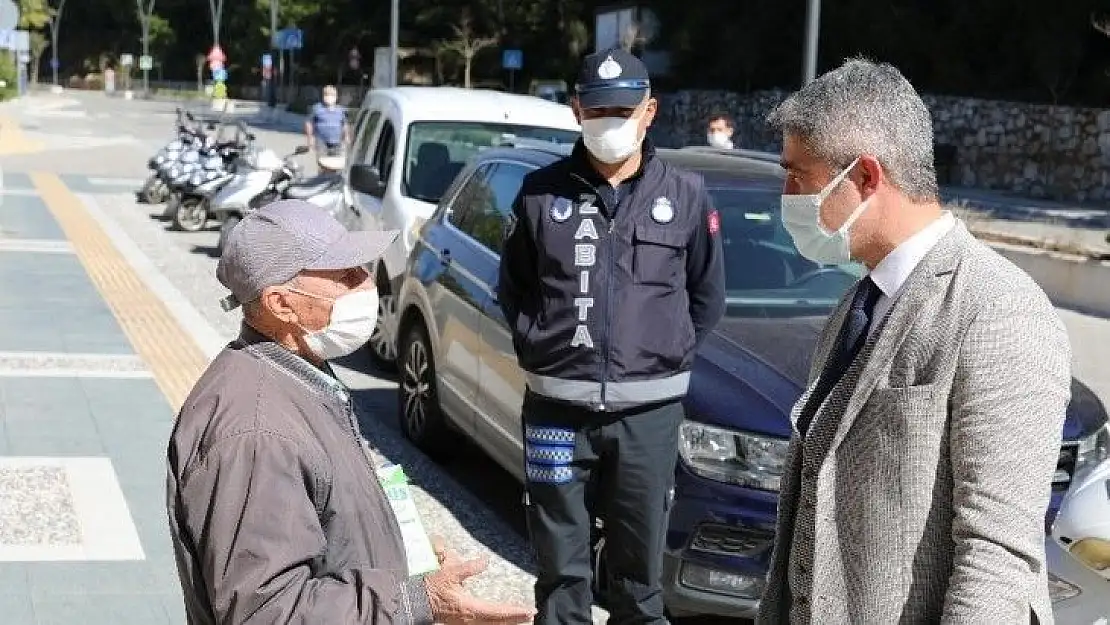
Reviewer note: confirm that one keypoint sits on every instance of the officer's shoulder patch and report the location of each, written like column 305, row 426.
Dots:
column 714, row 222
column 561, row 209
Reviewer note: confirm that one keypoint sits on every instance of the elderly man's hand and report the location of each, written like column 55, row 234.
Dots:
column 453, row 605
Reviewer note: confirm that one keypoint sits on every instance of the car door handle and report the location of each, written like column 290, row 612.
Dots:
column 445, row 256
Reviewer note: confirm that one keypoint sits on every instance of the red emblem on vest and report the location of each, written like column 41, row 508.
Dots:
column 714, row 222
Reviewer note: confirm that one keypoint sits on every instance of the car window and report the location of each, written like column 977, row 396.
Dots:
column 367, row 128
column 437, row 151
column 383, row 154
column 487, row 218
column 474, row 201
column 762, row 265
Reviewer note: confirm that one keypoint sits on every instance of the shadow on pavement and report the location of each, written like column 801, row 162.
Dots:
column 470, row 471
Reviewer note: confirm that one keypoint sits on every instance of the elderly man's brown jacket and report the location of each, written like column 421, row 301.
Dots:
column 275, row 510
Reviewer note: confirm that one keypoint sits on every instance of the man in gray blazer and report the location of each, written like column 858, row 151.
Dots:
column 920, row 466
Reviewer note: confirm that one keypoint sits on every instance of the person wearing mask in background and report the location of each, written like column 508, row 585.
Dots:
column 719, row 132
column 611, row 276
column 923, row 451
column 327, row 129
column 275, row 510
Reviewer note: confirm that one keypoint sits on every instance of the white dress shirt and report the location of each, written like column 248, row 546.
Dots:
column 891, row 273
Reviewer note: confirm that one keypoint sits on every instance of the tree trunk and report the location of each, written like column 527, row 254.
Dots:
column 467, row 60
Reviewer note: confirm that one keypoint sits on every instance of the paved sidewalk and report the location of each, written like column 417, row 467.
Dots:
column 91, row 367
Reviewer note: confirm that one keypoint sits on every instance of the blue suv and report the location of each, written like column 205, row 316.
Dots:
column 459, row 376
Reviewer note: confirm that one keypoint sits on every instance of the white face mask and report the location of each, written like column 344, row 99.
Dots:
column 718, row 140
column 352, row 321
column 801, row 215
column 612, row 139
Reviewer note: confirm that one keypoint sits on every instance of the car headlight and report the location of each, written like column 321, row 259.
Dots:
column 1059, row 590
column 1094, row 552
column 734, row 457
column 1093, row 450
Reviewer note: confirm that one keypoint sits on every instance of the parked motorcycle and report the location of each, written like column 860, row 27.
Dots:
column 193, row 191
column 262, row 178
column 190, row 134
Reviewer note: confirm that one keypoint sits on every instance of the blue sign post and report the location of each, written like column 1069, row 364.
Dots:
column 512, row 60
column 289, row 39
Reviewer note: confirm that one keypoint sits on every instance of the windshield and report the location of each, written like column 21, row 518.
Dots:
column 765, row 276
column 437, row 151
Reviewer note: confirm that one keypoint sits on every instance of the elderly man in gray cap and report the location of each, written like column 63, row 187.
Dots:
column 276, row 512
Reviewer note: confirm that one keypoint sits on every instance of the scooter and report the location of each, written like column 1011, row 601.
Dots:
column 191, row 199
column 262, row 178
column 190, row 133
column 1082, row 526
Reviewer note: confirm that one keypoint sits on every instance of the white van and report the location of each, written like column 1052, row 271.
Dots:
column 410, row 142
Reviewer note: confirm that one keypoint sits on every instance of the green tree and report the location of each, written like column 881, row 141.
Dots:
column 34, row 14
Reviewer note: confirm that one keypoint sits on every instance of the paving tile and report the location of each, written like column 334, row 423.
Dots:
column 148, row 511
column 17, row 609
column 46, row 406
column 54, row 444
column 175, row 608
column 117, row 609
column 38, row 509
column 101, row 578
column 17, row 180
column 27, row 217
column 126, row 401
column 13, row 579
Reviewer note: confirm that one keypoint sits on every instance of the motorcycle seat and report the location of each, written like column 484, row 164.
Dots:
column 313, row 186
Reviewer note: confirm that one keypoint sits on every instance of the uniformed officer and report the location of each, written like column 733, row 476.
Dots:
column 611, row 275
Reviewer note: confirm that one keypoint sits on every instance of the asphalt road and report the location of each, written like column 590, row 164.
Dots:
column 101, row 146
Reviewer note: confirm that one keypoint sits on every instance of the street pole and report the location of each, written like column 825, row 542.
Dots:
column 813, row 28
column 394, row 29
column 274, row 52
column 55, row 22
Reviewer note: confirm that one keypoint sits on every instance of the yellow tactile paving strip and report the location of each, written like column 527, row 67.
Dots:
column 12, row 139
column 174, row 359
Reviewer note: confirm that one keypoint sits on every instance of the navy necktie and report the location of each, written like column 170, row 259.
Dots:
column 852, row 336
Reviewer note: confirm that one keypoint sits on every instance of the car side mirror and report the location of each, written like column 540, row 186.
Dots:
column 367, row 179
column 301, row 149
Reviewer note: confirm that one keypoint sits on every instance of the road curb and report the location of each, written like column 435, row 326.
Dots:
column 1070, row 281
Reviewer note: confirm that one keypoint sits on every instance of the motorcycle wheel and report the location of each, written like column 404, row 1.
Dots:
column 191, row 215
column 172, row 203
column 225, row 232
column 151, row 191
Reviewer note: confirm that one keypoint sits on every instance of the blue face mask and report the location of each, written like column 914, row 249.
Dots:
column 801, row 215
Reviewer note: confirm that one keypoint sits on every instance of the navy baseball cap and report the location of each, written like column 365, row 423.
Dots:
column 612, row 78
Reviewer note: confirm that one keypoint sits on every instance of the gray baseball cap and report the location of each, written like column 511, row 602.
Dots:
column 276, row 242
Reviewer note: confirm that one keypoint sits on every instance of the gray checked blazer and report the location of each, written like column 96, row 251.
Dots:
column 919, row 493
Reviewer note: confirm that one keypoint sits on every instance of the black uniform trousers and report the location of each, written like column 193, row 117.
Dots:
column 618, row 466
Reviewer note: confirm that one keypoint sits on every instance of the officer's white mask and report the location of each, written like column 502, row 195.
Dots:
column 612, row 140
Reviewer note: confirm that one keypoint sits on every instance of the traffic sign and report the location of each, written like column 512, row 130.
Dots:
column 126, row 60
column 512, row 59
column 219, row 75
column 267, row 61
column 146, row 62
column 216, row 57
column 289, row 39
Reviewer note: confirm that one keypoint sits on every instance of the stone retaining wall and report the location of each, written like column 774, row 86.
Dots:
column 1035, row 150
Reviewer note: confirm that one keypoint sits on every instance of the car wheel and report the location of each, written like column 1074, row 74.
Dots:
column 383, row 342
column 420, row 414
column 225, row 231
column 191, row 215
